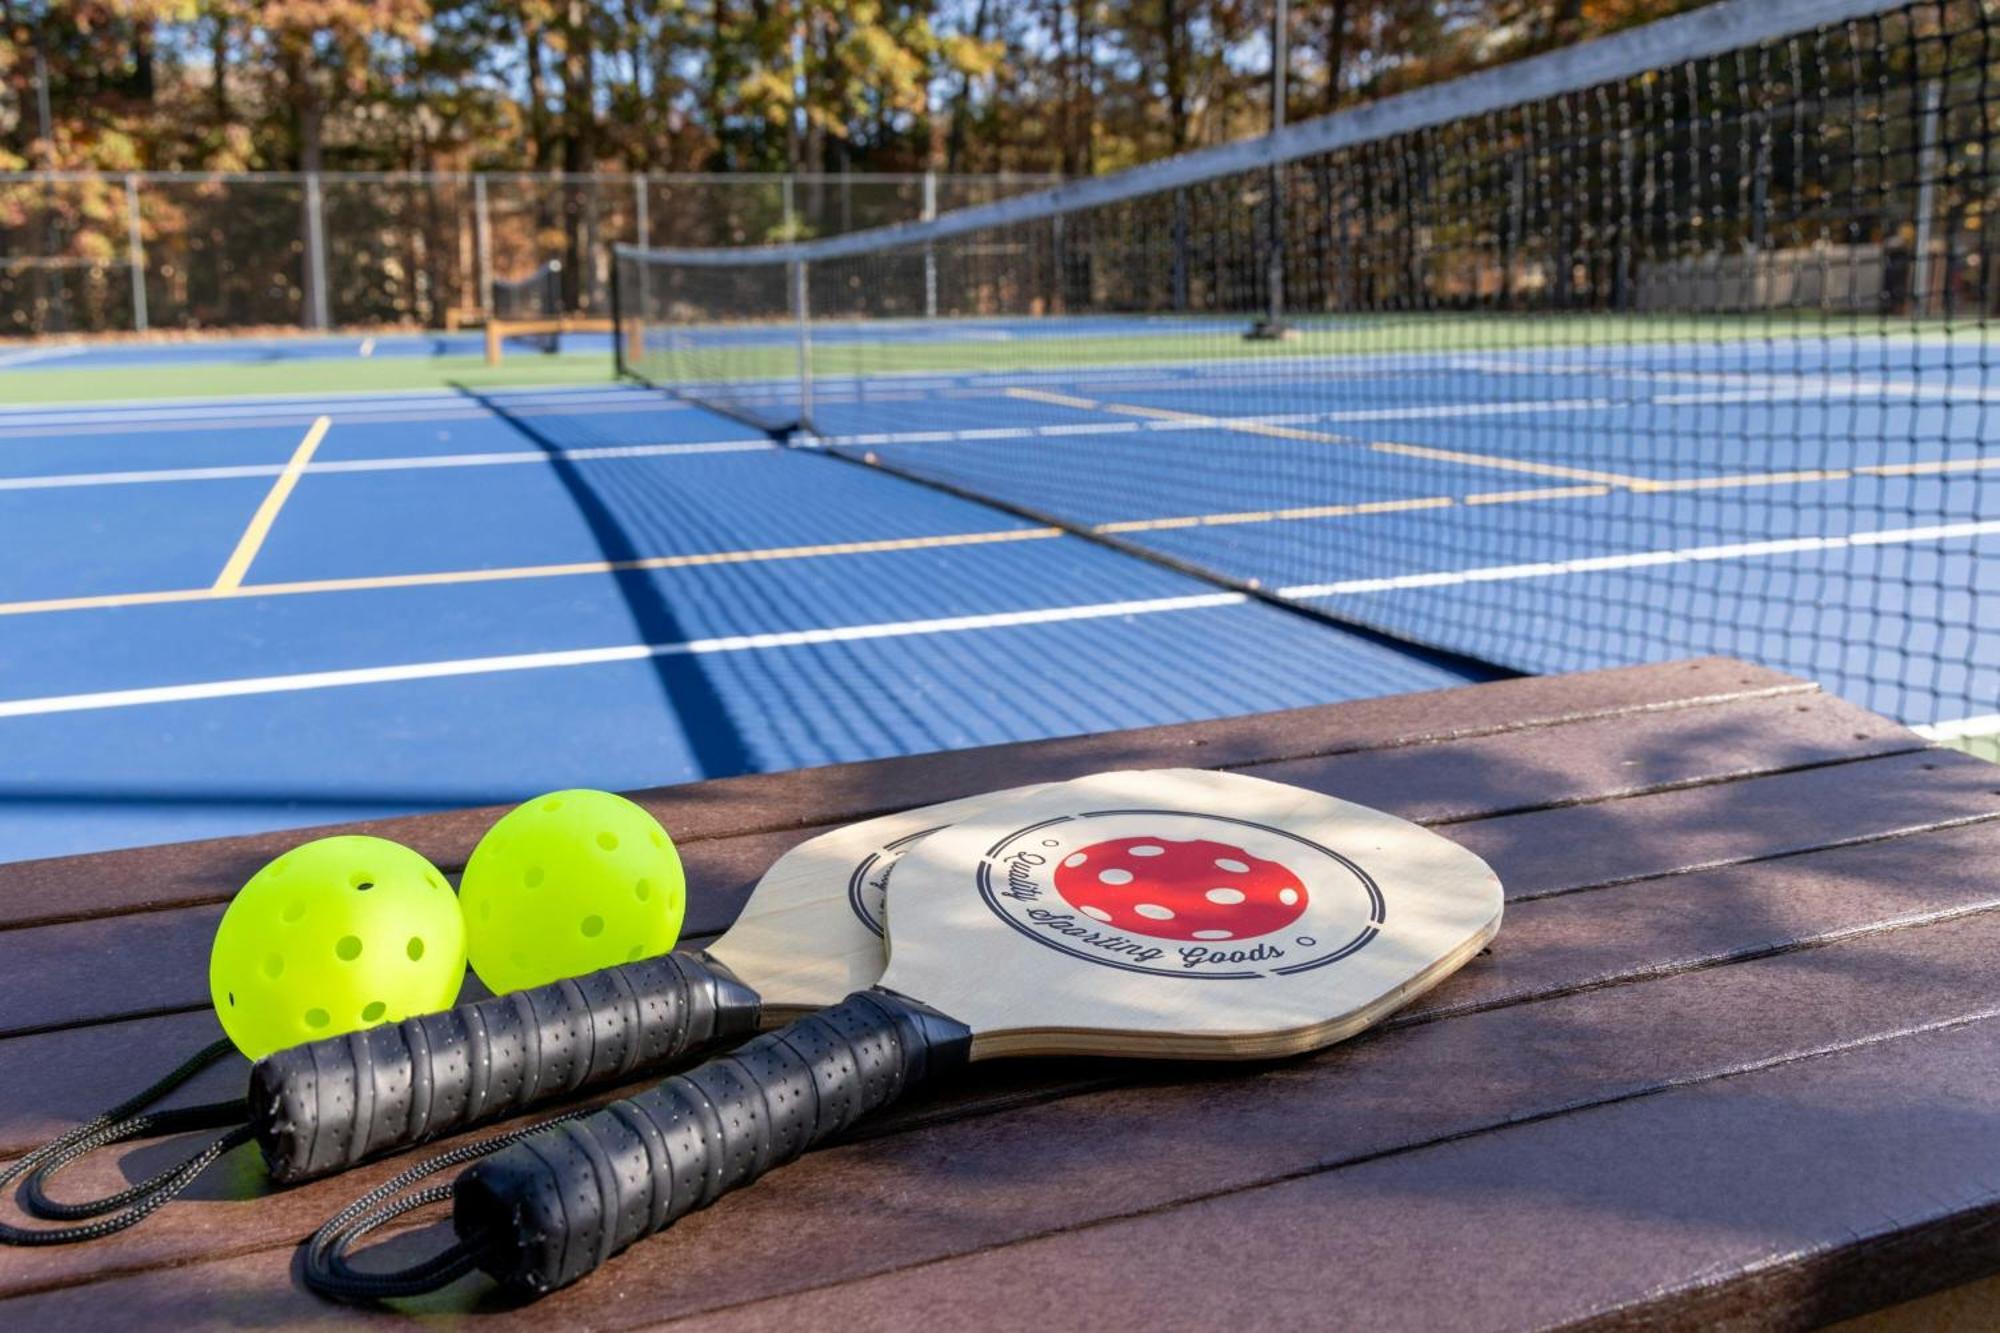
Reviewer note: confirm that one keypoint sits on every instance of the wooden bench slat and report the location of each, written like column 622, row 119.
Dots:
column 209, row 871
column 1830, row 1186
column 44, row 963
column 1075, row 1168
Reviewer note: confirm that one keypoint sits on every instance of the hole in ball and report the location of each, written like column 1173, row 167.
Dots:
column 295, row 910
column 434, row 879
column 635, row 953
column 317, row 1018
column 533, row 877
column 608, row 841
column 593, row 926
column 643, row 890
column 274, row 966
column 363, row 882
column 415, row 948
column 551, row 805
column 232, row 999
column 347, row 948
column 658, row 838
column 374, row 1011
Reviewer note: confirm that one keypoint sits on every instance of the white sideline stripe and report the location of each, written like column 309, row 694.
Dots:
column 23, row 357
column 146, row 405
column 414, row 464
column 228, row 412
column 1987, row 724
column 1644, row 559
column 633, row 652
column 367, row 347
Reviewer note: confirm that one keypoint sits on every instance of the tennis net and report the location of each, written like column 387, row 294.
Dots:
column 536, row 296
column 1669, row 343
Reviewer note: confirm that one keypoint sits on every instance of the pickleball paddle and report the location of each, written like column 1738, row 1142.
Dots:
column 809, row 934
column 1172, row 913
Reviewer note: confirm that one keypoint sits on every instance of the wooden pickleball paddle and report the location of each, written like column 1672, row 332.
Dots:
column 1169, row 913
column 811, row 931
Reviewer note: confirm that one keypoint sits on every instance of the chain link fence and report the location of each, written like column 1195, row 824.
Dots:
column 91, row 253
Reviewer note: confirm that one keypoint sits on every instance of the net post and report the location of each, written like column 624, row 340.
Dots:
column 482, row 232
column 1272, row 325
column 135, row 252
column 930, row 251
column 802, row 310
column 1180, row 279
column 618, row 314
column 315, row 252
column 1927, row 170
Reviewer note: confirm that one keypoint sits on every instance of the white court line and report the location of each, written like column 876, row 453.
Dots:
column 634, row 652
column 1960, row 728
column 26, row 355
column 411, row 464
column 145, row 405
column 367, row 347
column 1645, row 559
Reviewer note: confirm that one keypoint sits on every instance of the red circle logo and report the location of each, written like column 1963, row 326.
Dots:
column 1180, row 890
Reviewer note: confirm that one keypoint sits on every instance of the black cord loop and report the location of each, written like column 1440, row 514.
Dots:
column 125, row 1121
column 327, row 1269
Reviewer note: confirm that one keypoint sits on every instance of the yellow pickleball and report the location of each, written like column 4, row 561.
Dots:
column 335, row 935
column 568, row 883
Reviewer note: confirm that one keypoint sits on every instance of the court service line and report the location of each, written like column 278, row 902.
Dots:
column 453, row 577
column 636, row 652
column 412, row 463
column 1324, row 437
column 253, row 536
column 1646, row 559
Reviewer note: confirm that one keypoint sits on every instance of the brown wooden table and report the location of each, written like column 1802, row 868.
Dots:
column 1735, row 1056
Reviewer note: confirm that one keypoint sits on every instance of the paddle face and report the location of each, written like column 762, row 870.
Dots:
column 811, row 932
column 1179, row 913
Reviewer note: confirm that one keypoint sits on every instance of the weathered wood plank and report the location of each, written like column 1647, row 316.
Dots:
column 1780, row 1198
column 913, row 1205
column 1475, row 775
column 209, row 871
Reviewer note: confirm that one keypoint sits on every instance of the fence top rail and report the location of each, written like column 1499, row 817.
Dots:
column 1667, row 43
column 620, row 178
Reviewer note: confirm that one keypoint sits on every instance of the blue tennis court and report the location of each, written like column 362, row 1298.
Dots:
column 228, row 614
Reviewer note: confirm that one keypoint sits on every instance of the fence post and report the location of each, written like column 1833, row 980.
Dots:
column 482, row 243
column 135, row 252
column 791, row 205
column 643, row 220
column 1927, row 172
column 315, row 252
column 930, row 249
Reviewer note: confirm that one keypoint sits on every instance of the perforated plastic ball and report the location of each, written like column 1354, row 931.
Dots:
column 335, row 935
column 566, row 884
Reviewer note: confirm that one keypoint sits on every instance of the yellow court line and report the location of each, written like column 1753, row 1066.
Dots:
column 1277, row 515
column 442, row 578
column 1539, row 493
column 1924, row 469
column 1058, row 399
column 252, row 540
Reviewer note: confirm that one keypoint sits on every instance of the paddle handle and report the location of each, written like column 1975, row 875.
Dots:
column 550, row 1208
column 329, row 1104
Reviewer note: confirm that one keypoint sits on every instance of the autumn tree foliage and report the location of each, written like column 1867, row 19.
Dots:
column 1075, row 86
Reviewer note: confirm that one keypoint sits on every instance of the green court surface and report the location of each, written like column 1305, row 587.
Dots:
column 223, row 379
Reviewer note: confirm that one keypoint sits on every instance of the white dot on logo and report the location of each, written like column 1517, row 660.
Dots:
column 1096, row 913
column 1154, row 912
column 1076, row 860
column 1234, row 867
column 1288, row 896
column 1114, row 876
column 1147, row 849
column 1224, row 896
column 1212, row 934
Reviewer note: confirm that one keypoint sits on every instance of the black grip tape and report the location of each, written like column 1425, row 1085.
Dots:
column 327, row 1105
column 548, row 1209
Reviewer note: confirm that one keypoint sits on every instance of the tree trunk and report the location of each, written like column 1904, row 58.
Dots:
column 218, row 86
column 1177, row 99
column 1336, row 55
